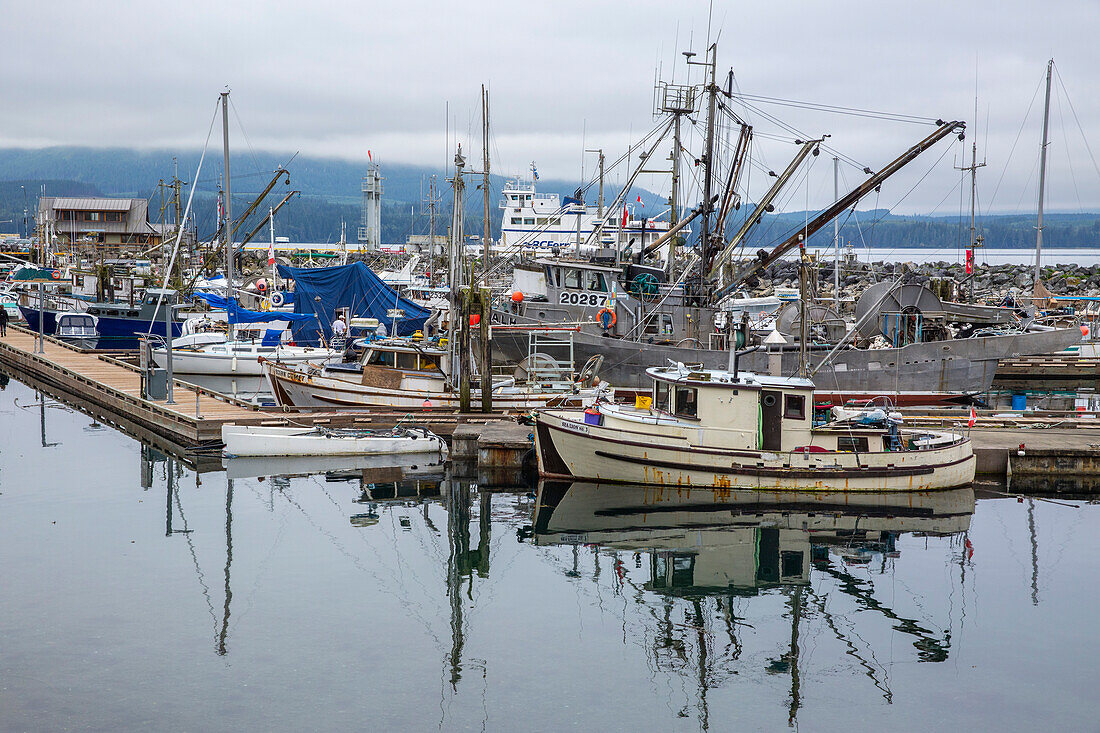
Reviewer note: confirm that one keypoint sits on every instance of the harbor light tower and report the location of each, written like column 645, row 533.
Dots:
column 370, row 221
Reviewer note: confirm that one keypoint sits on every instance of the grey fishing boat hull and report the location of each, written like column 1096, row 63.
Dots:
column 962, row 365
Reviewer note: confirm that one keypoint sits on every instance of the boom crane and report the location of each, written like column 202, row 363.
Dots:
column 764, row 205
column 767, row 258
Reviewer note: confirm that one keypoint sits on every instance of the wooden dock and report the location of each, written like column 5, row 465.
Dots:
column 1050, row 371
column 110, row 390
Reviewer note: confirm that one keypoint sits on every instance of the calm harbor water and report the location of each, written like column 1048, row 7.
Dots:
column 139, row 593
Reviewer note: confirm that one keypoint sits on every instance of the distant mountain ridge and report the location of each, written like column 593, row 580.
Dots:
column 331, row 194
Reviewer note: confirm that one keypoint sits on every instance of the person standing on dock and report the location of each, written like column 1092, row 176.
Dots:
column 3, row 322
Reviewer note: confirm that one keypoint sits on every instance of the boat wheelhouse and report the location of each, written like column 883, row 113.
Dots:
column 713, row 428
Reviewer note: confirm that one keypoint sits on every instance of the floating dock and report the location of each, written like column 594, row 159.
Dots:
column 110, row 390
column 1051, row 451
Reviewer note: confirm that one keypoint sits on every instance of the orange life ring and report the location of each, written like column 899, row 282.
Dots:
column 55, row 274
column 606, row 317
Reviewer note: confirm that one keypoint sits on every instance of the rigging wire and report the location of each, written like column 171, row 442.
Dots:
column 851, row 111
column 1008, row 160
column 1081, row 129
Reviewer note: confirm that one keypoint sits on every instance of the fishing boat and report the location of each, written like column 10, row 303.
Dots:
column 77, row 329
column 244, row 440
column 730, row 429
column 238, row 357
column 409, row 375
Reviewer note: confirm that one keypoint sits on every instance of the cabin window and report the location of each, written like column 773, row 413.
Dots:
column 405, row 361
column 790, row 564
column 514, row 198
column 540, row 220
column 595, row 282
column 529, row 221
column 660, row 396
column 658, row 324
column 573, row 279
column 427, row 362
column 517, row 220
column 382, row 358
column 687, row 402
column 794, row 407
column 555, row 221
column 851, row 444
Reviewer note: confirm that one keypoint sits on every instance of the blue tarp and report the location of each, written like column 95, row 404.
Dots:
column 323, row 290
column 237, row 314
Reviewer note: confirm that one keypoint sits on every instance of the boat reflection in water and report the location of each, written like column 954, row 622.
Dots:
column 713, row 553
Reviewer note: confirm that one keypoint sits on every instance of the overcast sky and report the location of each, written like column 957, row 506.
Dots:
column 339, row 78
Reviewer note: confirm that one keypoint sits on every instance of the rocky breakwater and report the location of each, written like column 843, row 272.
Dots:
column 992, row 283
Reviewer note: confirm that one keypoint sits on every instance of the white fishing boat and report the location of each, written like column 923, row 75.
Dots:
column 407, row 375
column 244, row 440
column 215, row 356
column 712, row 428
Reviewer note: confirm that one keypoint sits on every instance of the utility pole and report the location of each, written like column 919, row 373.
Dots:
column 1042, row 179
column 228, row 229
column 975, row 239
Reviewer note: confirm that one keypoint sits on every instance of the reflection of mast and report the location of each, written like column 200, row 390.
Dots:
column 228, row 561
column 458, row 533
column 701, row 633
column 796, row 616
column 1034, row 552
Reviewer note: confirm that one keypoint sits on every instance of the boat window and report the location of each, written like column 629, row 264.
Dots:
column 687, row 402
column 529, row 220
column 382, row 358
column 555, row 221
column 595, row 281
column 573, row 279
column 406, row 361
column 660, row 396
column 790, row 564
column 427, row 362
column 659, row 324
column 540, row 220
column 794, row 407
column 218, row 350
column 851, row 444
column 517, row 220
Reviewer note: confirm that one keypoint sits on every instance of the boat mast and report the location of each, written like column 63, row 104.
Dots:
column 1042, row 180
column 836, row 236
column 228, row 216
column 485, row 176
column 708, row 166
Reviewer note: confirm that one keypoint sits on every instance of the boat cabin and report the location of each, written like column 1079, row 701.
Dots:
column 758, row 412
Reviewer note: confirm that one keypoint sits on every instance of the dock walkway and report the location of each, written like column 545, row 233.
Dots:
column 111, row 390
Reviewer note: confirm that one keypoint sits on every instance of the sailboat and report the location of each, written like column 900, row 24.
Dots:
column 233, row 356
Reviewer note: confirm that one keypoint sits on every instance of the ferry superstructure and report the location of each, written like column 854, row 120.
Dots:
column 541, row 222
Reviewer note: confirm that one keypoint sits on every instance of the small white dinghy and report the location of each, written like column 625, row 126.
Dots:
column 243, row 440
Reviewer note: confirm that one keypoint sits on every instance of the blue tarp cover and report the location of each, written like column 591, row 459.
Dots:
column 237, row 314
column 323, row 290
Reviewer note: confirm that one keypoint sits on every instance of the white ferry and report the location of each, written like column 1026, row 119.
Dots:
column 533, row 222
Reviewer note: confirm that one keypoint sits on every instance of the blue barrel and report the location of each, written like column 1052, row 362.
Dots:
column 1019, row 401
